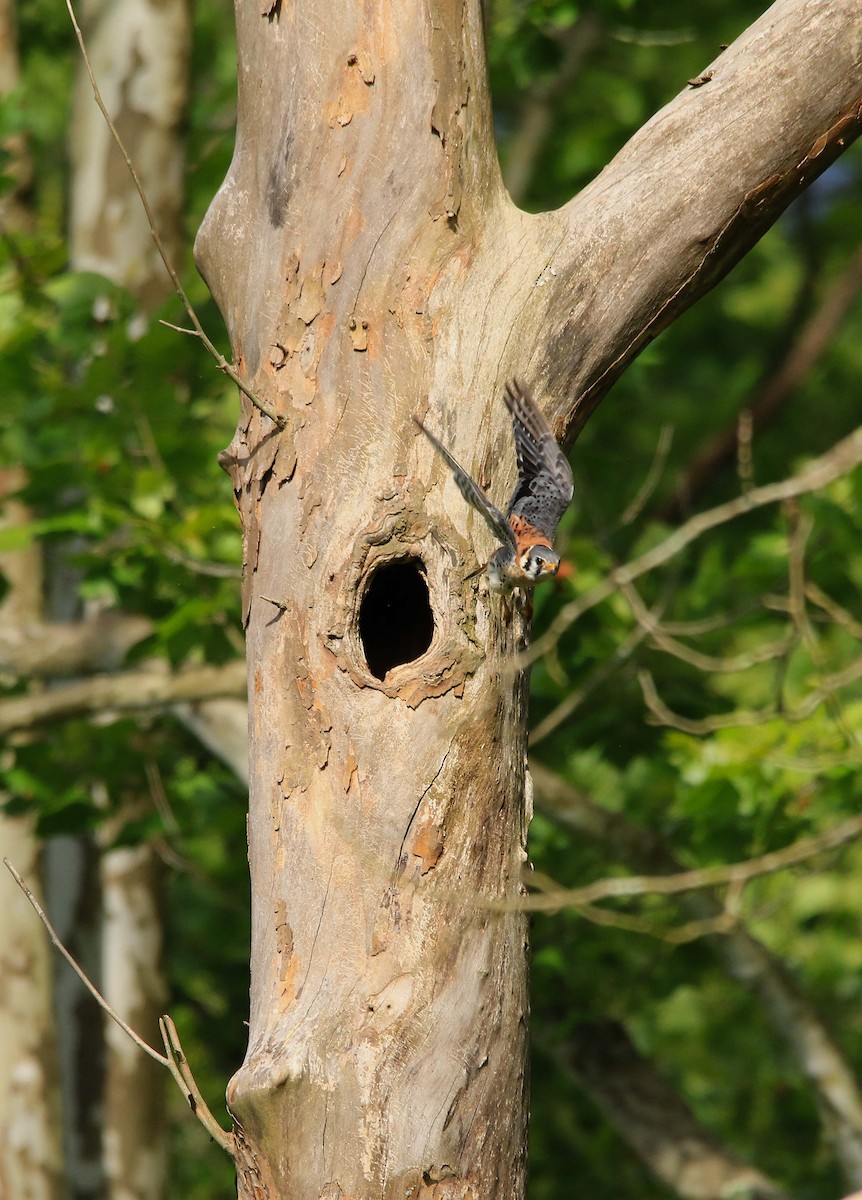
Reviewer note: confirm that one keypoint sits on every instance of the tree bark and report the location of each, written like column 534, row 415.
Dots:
column 370, row 266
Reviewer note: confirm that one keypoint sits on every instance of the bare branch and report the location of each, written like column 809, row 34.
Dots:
column 636, row 506
column 179, row 1067
column 199, row 566
column 707, row 177
column 129, row 691
column 575, row 698
column 800, row 531
column 833, row 609
column 704, row 877
column 221, row 361
column 723, row 922
column 48, row 650
column 830, row 684
column 842, row 458
column 94, row 992
column 728, row 664
column 175, row 1060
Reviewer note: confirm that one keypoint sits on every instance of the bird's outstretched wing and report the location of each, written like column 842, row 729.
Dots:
column 473, row 494
column 545, row 486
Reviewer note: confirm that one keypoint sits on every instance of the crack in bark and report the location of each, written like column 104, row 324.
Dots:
column 416, row 810
column 314, row 939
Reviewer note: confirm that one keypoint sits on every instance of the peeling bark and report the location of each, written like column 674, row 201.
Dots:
column 370, row 267
column 384, row 985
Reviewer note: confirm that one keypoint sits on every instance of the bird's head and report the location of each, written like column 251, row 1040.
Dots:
column 539, row 562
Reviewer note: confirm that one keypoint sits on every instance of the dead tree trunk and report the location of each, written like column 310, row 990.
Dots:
column 370, row 266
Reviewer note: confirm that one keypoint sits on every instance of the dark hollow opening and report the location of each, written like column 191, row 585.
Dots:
column 395, row 619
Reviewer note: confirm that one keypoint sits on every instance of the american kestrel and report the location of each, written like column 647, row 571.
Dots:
column 541, row 496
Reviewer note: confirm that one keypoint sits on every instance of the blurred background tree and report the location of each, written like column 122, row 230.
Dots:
column 708, row 712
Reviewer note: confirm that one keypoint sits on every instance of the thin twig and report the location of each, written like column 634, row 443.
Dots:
column 745, row 719
column 179, row 328
column 175, row 1060
column 690, row 881
column 817, row 474
column 746, row 959
column 199, row 566
column 636, row 506
column 695, row 628
column 833, row 609
column 97, row 996
column 677, row 935
column 729, row 664
column 575, row 699
column 807, row 344
column 223, row 364
column 179, row 1068
column 800, row 531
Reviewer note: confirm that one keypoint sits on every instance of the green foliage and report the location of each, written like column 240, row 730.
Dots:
column 118, row 423
column 729, row 794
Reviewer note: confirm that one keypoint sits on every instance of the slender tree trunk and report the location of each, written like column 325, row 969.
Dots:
column 30, row 1154
column 370, row 267
column 139, row 51
column 30, row 1166
column 30, row 1149
column 135, row 1137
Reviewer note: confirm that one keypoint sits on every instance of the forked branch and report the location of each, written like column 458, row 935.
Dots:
column 175, row 1060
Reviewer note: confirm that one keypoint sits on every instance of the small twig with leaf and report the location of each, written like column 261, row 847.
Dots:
column 174, row 1059
column 198, row 330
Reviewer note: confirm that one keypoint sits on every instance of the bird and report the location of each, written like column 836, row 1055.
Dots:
column 542, row 494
